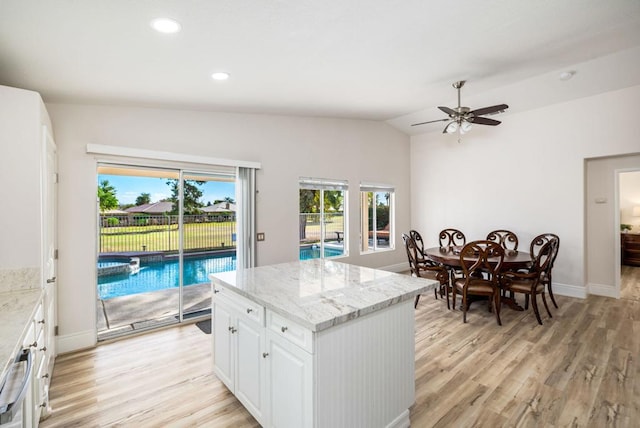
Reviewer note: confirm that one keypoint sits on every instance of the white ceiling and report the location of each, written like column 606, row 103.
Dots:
column 389, row 60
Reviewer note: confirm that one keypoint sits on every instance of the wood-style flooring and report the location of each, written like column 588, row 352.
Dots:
column 580, row 369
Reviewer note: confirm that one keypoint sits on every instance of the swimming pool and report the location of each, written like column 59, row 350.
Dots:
column 163, row 275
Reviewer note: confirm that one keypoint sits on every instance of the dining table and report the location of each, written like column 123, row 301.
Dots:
column 513, row 260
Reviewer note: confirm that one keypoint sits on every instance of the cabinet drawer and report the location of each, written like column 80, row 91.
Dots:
column 245, row 307
column 291, row 331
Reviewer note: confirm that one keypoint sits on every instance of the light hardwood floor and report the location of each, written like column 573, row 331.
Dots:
column 630, row 282
column 581, row 368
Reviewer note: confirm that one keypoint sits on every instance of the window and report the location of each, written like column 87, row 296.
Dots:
column 376, row 218
column 323, row 222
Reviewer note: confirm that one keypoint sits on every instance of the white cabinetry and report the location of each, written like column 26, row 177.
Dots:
column 290, row 381
column 28, row 245
column 238, row 347
column 317, row 343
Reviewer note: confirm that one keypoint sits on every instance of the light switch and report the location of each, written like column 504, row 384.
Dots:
column 260, row 236
column 601, row 200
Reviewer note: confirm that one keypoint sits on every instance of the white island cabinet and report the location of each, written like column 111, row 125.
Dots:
column 317, row 343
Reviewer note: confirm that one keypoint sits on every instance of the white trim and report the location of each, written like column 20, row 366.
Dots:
column 76, row 341
column 603, row 290
column 101, row 149
column 402, row 421
column 569, row 290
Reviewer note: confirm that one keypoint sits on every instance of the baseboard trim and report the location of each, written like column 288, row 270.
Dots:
column 604, row 290
column 76, row 341
column 402, row 421
column 398, row 267
column 569, row 290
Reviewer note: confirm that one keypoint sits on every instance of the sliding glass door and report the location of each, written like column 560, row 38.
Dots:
column 161, row 232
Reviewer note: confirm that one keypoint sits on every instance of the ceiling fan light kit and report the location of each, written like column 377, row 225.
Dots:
column 462, row 118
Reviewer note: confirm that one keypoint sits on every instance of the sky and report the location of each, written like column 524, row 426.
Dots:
column 129, row 188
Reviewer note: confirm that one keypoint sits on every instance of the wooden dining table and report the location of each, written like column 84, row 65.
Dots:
column 513, row 260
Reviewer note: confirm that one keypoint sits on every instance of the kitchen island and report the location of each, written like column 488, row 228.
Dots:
column 317, row 343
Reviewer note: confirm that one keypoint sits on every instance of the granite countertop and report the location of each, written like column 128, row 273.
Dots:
column 319, row 294
column 17, row 308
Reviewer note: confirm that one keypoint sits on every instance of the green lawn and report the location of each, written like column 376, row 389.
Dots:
column 165, row 237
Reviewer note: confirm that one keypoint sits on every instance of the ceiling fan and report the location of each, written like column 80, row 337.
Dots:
column 461, row 118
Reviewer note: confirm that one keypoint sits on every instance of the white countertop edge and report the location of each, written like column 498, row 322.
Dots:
column 322, row 325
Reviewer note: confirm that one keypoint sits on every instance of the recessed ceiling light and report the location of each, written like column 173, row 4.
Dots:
column 165, row 25
column 566, row 75
column 220, row 75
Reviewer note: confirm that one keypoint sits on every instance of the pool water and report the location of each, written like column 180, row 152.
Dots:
column 163, row 275
column 307, row 253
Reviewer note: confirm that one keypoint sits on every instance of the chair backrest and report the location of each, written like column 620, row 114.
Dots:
column 412, row 253
column 452, row 238
column 480, row 257
column 540, row 241
column 543, row 259
column 417, row 238
column 507, row 239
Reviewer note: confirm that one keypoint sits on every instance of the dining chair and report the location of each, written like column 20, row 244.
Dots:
column 529, row 283
column 536, row 244
column 507, row 239
column 415, row 235
column 452, row 238
column 478, row 258
column 425, row 268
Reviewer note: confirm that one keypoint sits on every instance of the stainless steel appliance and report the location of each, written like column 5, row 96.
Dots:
column 15, row 392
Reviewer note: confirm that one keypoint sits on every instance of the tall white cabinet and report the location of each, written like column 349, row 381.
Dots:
column 28, row 255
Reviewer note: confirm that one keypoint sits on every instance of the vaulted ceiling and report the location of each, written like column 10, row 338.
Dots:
column 391, row 60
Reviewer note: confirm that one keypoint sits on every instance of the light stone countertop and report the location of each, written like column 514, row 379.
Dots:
column 17, row 309
column 319, row 294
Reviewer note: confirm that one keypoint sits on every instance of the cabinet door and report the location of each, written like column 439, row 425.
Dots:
column 250, row 367
column 290, row 383
column 222, row 345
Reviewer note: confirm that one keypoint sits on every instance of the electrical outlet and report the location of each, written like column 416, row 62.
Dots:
column 260, row 236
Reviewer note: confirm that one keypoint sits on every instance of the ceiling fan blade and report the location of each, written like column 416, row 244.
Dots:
column 484, row 121
column 451, row 112
column 489, row 110
column 431, row 121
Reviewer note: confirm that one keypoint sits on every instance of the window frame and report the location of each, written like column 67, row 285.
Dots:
column 321, row 184
column 375, row 188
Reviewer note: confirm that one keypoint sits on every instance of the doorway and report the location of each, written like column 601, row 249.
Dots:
column 161, row 232
column 629, row 207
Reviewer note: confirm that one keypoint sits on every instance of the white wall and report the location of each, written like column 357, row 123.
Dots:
column 287, row 148
column 526, row 175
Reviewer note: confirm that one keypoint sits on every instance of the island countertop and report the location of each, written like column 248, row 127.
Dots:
column 319, row 293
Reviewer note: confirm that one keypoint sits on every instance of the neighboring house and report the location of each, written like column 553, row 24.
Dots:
column 154, row 208
column 222, row 211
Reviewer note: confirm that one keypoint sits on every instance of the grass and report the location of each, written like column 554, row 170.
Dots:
column 165, row 237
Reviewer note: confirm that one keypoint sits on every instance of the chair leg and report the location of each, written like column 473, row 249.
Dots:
column 544, row 300
column 446, row 290
column 553, row 299
column 496, row 305
column 435, row 293
column 415, row 304
column 464, row 308
column 526, row 301
column 453, row 298
column 534, row 303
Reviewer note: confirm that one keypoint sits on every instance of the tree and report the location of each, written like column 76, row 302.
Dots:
column 308, row 204
column 144, row 198
column 229, row 199
column 192, row 195
column 107, row 196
